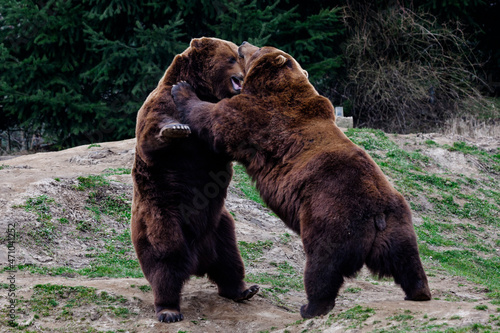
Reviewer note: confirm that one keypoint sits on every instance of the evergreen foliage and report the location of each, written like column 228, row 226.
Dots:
column 78, row 71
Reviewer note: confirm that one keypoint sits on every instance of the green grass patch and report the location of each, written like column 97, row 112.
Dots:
column 44, row 233
column 243, row 182
column 63, row 220
column 431, row 143
column 253, row 251
column 115, row 256
column 100, row 201
column 284, row 278
column 474, row 208
column 118, row 207
column 354, row 317
column 115, row 259
column 64, row 303
column 352, row 290
column 145, row 288
column 435, row 233
column 279, row 283
column 91, row 182
column 402, row 316
column 461, row 215
column 464, row 148
column 40, row 206
column 117, row 171
column 280, row 279
column 370, row 139
column 467, row 263
column 285, row 238
column 490, row 161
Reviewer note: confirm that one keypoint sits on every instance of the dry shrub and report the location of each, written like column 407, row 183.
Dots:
column 471, row 127
column 406, row 72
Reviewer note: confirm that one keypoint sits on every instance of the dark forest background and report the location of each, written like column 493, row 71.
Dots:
column 76, row 72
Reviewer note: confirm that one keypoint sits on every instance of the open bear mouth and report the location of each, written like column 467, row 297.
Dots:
column 236, row 82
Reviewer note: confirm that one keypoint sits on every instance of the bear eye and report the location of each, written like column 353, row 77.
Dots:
column 232, row 60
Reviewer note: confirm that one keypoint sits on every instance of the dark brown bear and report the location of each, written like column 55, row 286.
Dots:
column 180, row 226
column 312, row 176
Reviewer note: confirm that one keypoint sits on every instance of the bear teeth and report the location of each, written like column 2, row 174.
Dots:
column 236, row 82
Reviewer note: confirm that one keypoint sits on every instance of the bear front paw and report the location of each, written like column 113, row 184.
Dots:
column 175, row 131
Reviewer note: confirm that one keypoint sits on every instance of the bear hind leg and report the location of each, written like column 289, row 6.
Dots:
column 397, row 256
column 328, row 261
column 166, row 274
column 167, row 284
column 322, row 284
column 228, row 271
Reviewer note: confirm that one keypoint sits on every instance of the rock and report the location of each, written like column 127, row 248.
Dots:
column 345, row 122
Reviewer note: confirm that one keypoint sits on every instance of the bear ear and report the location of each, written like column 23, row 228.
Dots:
column 180, row 58
column 199, row 43
column 280, row 60
column 306, row 73
column 195, row 43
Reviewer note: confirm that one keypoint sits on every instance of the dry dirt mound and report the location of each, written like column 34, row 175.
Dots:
column 48, row 300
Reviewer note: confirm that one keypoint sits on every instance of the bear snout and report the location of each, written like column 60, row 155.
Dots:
column 241, row 55
column 246, row 49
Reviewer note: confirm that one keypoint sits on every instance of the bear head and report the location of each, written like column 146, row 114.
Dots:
column 270, row 71
column 212, row 67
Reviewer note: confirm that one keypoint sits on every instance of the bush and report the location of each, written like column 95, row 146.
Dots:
column 405, row 72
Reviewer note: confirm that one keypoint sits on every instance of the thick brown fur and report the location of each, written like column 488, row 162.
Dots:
column 312, row 176
column 180, row 226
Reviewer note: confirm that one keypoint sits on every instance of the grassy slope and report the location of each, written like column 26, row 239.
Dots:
column 458, row 231
column 461, row 215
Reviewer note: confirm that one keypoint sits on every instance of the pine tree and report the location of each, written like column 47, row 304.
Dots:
column 37, row 82
column 78, row 71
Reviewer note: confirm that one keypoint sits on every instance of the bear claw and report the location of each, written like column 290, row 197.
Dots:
column 248, row 293
column 181, row 90
column 169, row 316
column 175, row 131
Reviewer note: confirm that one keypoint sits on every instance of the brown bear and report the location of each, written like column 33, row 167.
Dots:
column 180, row 226
column 312, row 176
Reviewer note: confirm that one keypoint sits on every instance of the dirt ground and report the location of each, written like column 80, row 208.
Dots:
column 455, row 305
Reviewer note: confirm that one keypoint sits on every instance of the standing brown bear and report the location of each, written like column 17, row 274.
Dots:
column 180, row 226
column 312, row 176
